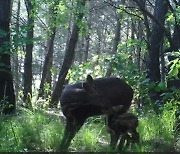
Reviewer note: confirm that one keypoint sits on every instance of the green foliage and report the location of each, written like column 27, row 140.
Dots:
column 174, row 16
column 122, row 65
column 171, row 95
column 161, row 87
column 3, row 33
column 19, row 39
column 29, row 131
column 5, row 48
column 96, row 68
column 86, row 139
column 78, row 11
column 157, row 130
column 92, row 137
column 178, row 14
column 61, row 11
column 174, row 65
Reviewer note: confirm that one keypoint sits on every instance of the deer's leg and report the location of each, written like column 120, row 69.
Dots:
column 135, row 136
column 111, row 129
column 114, row 140
column 72, row 127
column 67, row 131
column 121, row 142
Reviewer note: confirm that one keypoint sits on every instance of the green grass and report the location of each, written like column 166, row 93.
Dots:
column 29, row 131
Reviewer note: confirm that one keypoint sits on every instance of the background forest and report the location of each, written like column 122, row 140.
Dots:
column 46, row 44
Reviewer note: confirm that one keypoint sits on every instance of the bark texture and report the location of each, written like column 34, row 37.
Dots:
column 29, row 50
column 7, row 97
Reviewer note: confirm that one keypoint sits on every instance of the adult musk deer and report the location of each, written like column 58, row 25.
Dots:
column 90, row 98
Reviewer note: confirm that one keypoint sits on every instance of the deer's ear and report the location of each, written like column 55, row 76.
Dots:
column 86, row 86
column 89, row 80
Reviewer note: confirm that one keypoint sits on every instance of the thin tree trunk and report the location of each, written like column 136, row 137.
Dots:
column 115, row 44
column 68, row 59
column 80, row 50
column 87, row 37
column 47, row 66
column 7, row 97
column 162, row 62
column 49, row 77
column 86, row 48
column 139, row 37
column 16, row 60
column 28, row 55
column 46, row 74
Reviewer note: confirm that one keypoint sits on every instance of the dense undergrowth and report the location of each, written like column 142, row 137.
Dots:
column 37, row 130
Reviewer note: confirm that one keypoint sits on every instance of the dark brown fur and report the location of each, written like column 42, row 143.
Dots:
column 90, row 98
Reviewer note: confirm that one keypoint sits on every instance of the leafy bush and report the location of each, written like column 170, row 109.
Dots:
column 29, row 131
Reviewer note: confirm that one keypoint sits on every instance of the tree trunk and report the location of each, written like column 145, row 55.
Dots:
column 80, row 49
column 139, row 37
column 69, row 55
column 156, row 41
column 46, row 74
column 47, row 64
column 28, row 54
column 87, row 37
column 16, row 60
column 86, row 51
column 115, row 44
column 49, row 78
column 7, row 97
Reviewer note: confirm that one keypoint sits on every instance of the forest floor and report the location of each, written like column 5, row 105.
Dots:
column 158, row 144
column 39, row 131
